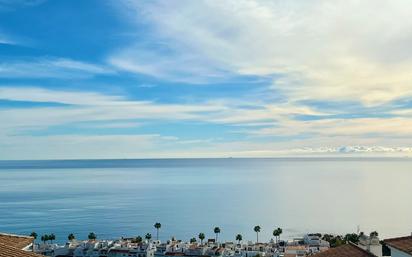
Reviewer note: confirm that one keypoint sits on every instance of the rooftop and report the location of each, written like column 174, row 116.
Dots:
column 12, row 245
column 403, row 244
column 8, row 251
column 347, row 250
column 16, row 241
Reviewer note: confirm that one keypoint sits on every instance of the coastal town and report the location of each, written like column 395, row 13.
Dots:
column 312, row 244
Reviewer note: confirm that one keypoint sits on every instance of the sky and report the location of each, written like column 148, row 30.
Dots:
column 234, row 78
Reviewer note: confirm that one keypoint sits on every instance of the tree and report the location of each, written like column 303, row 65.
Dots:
column 148, row 236
column 276, row 233
column 239, row 238
column 217, row 232
column 34, row 235
column 201, row 237
column 92, row 236
column 353, row 238
column 157, row 225
column 137, row 239
column 192, row 240
column 71, row 237
column 45, row 238
column 280, row 231
column 52, row 237
column 257, row 230
column 374, row 234
column 334, row 241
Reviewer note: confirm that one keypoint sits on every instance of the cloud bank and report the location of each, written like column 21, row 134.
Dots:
column 316, row 50
column 267, row 131
column 241, row 78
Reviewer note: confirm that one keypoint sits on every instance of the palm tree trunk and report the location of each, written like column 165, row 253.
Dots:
column 157, row 235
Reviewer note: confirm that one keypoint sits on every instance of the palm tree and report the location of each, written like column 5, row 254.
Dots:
column 92, row 236
column 45, row 238
column 276, row 233
column 139, row 239
column 217, row 231
column 192, row 240
column 34, row 235
column 157, row 225
column 257, row 230
column 201, row 237
column 239, row 238
column 148, row 236
column 52, row 237
column 71, row 237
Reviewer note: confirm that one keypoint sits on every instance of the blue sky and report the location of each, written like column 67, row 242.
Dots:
column 147, row 79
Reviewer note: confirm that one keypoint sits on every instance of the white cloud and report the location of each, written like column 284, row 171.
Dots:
column 367, row 127
column 51, row 68
column 13, row 4
column 258, row 126
column 322, row 49
column 356, row 149
column 181, row 67
column 146, row 86
column 4, row 40
column 278, row 119
column 87, row 106
column 78, row 146
column 35, row 94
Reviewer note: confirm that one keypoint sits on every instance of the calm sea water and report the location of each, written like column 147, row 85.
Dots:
column 126, row 197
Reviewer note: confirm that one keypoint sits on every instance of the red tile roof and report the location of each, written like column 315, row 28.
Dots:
column 16, row 241
column 347, row 250
column 403, row 244
column 9, row 251
column 12, row 245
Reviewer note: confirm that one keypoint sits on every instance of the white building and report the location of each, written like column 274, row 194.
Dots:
column 370, row 244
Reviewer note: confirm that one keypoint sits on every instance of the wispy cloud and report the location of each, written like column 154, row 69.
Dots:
column 4, row 39
column 87, row 106
column 169, row 65
column 264, row 129
column 331, row 81
column 51, row 68
column 13, row 4
column 321, row 49
column 78, row 146
column 36, row 94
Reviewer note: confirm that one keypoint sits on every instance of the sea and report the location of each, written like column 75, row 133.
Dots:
column 124, row 198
